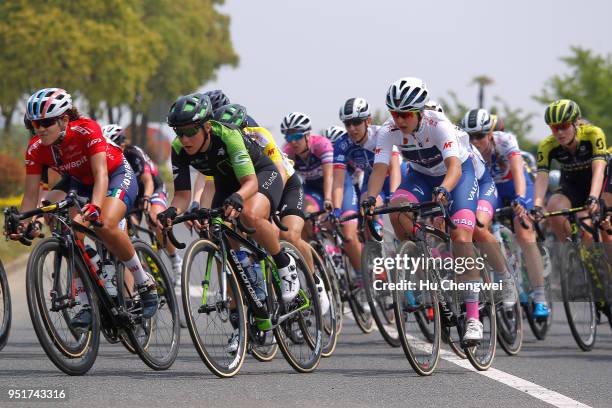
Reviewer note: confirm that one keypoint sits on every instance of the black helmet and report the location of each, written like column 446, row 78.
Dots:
column 232, row 114
column 193, row 109
column 217, row 98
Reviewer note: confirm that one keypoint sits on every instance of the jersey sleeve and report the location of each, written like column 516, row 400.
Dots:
column 92, row 134
column 544, row 156
column 264, row 138
column 323, row 149
column 384, row 145
column 180, row 168
column 340, row 154
column 242, row 165
column 598, row 141
column 32, row 163
column 446, row 140
column 509, row 145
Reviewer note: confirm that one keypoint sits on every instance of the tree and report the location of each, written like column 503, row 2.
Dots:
column 589, row 83
column 482, row 81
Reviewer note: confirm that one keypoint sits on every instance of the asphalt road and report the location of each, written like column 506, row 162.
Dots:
column 364, row 371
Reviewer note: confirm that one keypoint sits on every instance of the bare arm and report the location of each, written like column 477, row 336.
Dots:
column 100, row 173
column 328, row 176
column 377, row 179
column 30, row 194
column 518, row 175
column 453, row 173
column 248, row 186
column 541, row 184
column 338, row 187
column 147, row 181
column 395, row 173
column 181, row 200
column 198, row 187
column 599, row 167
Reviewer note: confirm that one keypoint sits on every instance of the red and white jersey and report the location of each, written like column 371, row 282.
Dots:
column 83, row 139
column 435, row 140
column 506, row 147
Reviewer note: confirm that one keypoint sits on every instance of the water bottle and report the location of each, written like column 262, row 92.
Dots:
column 253, row 271
column 105, row 271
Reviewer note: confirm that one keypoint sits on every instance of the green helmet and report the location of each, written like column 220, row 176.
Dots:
column 561, row 111
column 193, row 109
column 232, row 114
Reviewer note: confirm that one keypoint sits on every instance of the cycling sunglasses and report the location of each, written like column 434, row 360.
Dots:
column 560, row 126
column 353, row 122
column 478, row 135
column 188, row 131
column 47, row 122
column 403, row 115
column 294, row 137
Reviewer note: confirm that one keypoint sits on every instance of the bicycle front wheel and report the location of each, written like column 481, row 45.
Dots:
column 73, row 353
column 578, row 299
column 410, row 303
column 5, row 308
column 214, row 309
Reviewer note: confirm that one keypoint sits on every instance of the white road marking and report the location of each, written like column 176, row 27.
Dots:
column 532, row 389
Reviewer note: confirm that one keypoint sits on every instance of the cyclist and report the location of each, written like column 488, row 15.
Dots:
column 74, row 146
column 440, row 169
column 151, row 189
column 334, row 133
column 219, row 99
column 503, row 157
column 354, row 150
column 313, row 157
column 580, row 149
column 247, row 183
column 292, row 201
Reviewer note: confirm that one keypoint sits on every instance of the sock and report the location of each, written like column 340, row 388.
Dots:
column 471, row 310
column 80, row 292
column 281, row 259
column 539, row 294
column 136, row 268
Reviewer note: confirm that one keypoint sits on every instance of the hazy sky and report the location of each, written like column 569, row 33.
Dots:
column 312, row 55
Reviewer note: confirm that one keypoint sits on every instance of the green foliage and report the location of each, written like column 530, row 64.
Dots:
column 516, row 120
column 589, row 83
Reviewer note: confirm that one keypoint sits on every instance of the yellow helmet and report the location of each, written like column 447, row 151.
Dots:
column 561, row 111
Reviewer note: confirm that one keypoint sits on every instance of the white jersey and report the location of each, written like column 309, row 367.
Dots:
column 478, row 161
column 506, row 147
column 435, row 140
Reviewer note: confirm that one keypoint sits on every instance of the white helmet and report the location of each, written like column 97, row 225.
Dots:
column 477, row 120
column 407, row 94
column 114, row 133
column 354, row 108
column 295, row 121
column 434, row 106
column 334, row 133
column 48, row 103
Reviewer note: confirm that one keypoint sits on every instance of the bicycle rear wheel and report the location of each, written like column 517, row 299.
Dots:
column 214, row 310
column 299, row 337
column 332, row 319
column 73, row 353
column 578, row 299
column 381, row 300
column 156, row 339
column 409, row 302
column 5, row 308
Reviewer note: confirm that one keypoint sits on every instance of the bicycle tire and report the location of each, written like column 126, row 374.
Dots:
column 330, row 319
column 261, row 345
column 510, row 328
column 380, row 301
column 157, row 350
column 574, row 277
column 422, row 355
column 75, row 360
column 224, row 364
column 5, row 303
column 302, row 361
column 482, row 355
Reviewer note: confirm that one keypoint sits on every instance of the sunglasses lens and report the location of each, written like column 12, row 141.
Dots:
column 189, row 132
column 403, row 115
column 44, row 122
column 294, row 137
column 477, row 136
column 353, row 122
column 561, row 126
